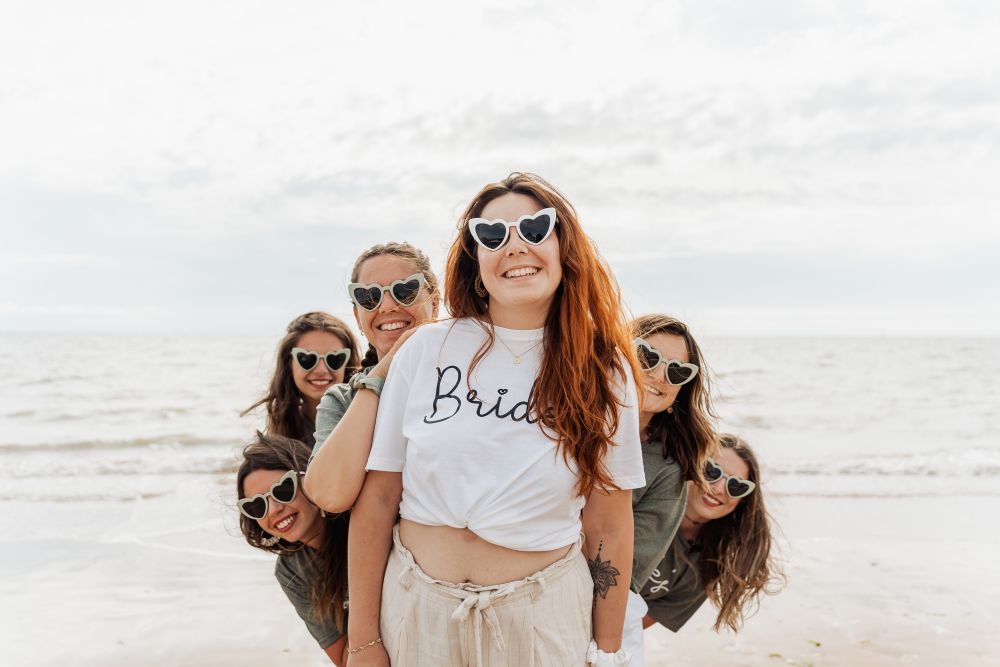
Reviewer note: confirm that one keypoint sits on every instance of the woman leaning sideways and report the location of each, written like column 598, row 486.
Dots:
column 722, row 551
column 494, row 431
column 675, row 419
column 275, row 516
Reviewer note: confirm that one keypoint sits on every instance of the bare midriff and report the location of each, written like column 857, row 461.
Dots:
column 457, row 555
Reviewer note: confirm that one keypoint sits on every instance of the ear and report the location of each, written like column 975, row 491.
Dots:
column 357, row 318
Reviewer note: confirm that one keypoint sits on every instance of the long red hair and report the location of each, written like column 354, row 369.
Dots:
column 576, row 396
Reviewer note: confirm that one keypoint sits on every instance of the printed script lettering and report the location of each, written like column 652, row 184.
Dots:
column 446, row 404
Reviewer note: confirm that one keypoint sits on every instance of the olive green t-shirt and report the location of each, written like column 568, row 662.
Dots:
column 294, row 572
column 657, row 510
column 332, row 407
column 674, row 590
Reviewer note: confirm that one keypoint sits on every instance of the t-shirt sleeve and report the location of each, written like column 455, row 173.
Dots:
column 330, row 411
column 674, row 610
column 656, row 516
column 297, row 590
column 624, row 459
column 388, row 451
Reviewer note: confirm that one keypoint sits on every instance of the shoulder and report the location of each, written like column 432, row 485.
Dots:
column 429, row 338
column 292, row 569
column 338, row 394
column 663, row 474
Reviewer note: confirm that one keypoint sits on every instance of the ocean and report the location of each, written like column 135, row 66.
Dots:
column 125, row 418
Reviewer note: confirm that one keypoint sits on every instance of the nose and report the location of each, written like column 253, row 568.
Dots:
column 719, row 487
column 515, row 244
column 388, row 304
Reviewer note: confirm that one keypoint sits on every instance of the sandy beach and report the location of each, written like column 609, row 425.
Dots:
column 871, row 581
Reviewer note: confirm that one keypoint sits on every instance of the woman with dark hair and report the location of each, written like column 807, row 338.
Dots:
column 722, row 551
column 276, row 516
column 317, row 352
column 675, row 418
column 494, row 431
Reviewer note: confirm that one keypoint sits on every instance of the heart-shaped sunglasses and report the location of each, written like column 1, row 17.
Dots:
column 404, row 292
column 307, row 359
column 676, row 372
column 283, row 491
column 736, row 487
column 493, row 234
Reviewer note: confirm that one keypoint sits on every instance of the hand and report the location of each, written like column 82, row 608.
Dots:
column 373, row 656
column 381, row 369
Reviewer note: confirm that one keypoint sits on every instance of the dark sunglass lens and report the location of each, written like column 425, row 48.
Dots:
column 491, row 235
column 256, row 508
column 647, row 357
column 284, row 492
column 306, row 360
column 677, row 374
column 406, row 293
column 367, row 297
column 533, row 230
column 334, row 360
column 712, row 472
column 737, row 488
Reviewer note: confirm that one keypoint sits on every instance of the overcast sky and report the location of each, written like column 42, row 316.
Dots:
column 779, row 167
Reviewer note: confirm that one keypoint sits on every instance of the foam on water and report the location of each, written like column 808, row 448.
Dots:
column 131, row 415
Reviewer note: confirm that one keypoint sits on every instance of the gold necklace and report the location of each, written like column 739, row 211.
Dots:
column 517, row 357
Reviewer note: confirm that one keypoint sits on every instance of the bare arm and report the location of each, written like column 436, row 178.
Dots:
column 335, row 476
column 368, row 545
column 336, row 652
column 607, row 528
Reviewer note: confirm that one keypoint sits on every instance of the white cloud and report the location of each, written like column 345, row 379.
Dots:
column 150, row 134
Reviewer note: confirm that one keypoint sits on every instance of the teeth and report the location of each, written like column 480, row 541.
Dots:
column 284, row 523
column 517, row 273
column 712, row 501
column 653, row 391
column 391, row 326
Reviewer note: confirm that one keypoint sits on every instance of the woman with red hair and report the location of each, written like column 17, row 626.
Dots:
column 507, row 442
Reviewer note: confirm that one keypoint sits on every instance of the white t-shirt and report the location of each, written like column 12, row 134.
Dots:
column 476, row 459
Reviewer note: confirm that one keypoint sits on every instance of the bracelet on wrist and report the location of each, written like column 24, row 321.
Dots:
column 359, row 382
column 358, row 649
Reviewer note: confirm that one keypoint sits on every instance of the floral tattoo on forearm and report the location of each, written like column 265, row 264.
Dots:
column 605, row 575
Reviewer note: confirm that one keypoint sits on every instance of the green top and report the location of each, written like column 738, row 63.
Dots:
column 294, row 573
column 675, row 591
column 332, row 407
column 657, row 509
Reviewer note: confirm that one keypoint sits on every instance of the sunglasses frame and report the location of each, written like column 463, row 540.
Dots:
column 419, row 277
column 551, row 212
column 727, row 477
column 639, row 342
column 291, row 474
column 344, row 350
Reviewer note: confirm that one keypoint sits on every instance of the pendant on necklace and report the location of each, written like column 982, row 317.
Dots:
column 517, row 360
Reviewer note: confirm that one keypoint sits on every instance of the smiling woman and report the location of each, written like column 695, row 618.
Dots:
column 501, row 435
column 317, row 352
column 276, row 516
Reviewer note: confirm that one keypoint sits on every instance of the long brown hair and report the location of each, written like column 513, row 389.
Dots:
column 687, row 434
column 328, row 589
column 283, row 399
column 420, row 261
column 737, row 566
column 587, row 344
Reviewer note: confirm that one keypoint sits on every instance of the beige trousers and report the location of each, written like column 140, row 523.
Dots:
column 540, row 621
